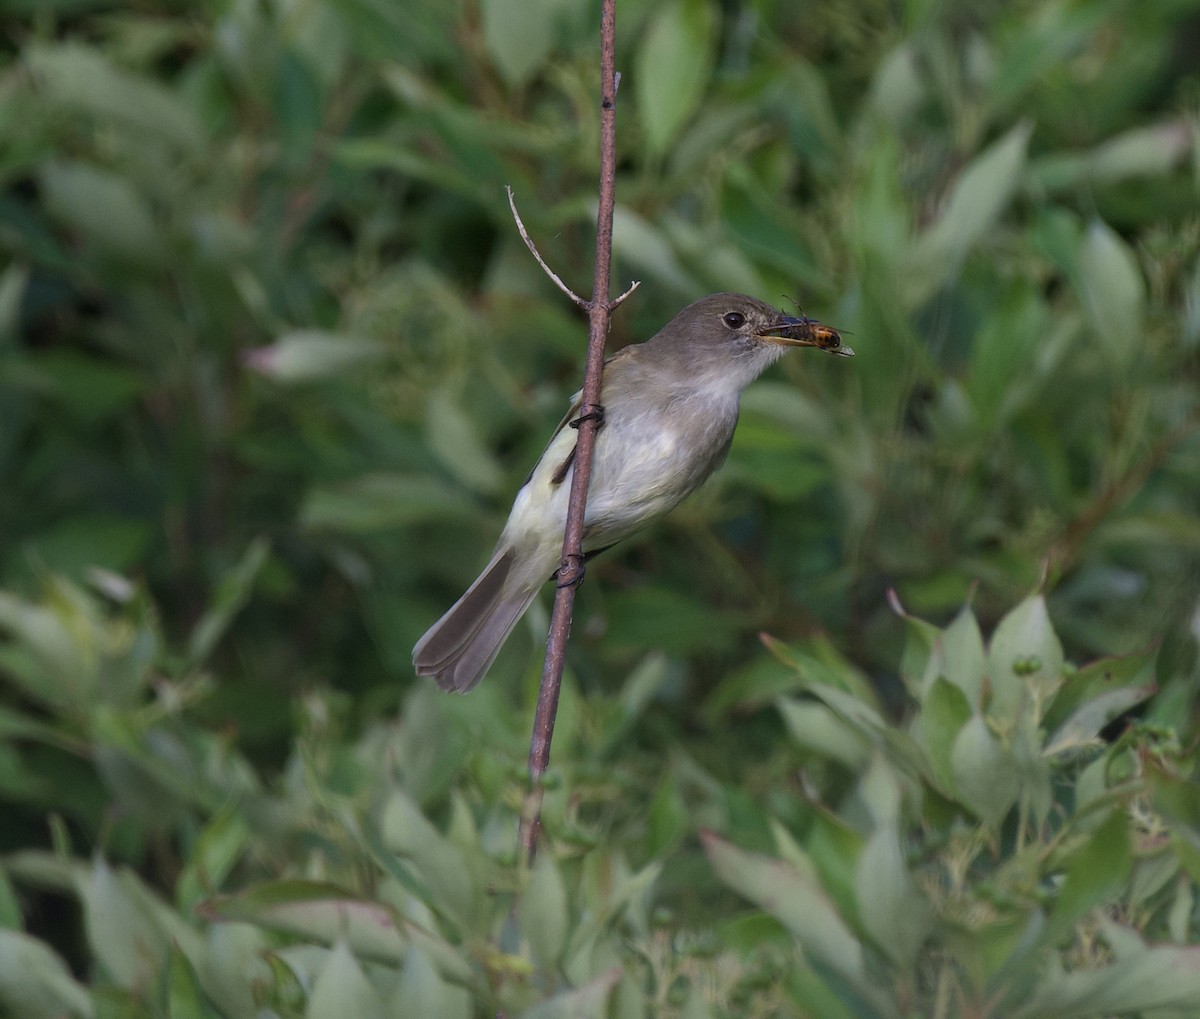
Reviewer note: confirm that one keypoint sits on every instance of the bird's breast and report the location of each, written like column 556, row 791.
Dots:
column 650, row 453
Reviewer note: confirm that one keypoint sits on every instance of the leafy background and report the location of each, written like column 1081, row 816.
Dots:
column 273, row 360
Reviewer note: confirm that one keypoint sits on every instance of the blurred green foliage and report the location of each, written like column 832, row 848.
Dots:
column 273, row 360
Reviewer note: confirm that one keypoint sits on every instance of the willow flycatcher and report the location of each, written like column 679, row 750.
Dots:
column 670, row 407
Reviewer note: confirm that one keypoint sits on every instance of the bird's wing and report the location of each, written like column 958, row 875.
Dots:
column 564, row 466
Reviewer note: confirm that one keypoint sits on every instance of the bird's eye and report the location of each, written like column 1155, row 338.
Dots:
column 734, row 319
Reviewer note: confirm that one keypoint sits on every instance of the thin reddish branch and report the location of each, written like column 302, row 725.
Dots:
column 570, row 571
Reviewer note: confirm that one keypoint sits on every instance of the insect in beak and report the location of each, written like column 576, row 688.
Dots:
column 805, row 332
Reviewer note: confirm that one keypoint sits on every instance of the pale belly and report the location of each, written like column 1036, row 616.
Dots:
column 642, row 467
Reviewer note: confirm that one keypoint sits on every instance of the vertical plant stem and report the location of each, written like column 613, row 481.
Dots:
column 570, row 571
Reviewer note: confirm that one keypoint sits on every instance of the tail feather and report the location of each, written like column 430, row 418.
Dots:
column 461, row 646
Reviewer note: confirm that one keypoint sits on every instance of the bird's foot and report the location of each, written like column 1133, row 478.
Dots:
column 589, row 412
column 570, row 572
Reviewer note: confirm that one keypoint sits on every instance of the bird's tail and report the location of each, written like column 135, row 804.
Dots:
column 461, row 646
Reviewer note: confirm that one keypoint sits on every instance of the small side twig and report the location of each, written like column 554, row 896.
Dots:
column 570, row 573
column 616, row 302
column 512, row 204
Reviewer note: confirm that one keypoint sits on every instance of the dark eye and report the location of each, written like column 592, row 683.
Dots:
column 734, row 319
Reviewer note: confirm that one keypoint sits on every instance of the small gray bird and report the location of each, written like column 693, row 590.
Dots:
column 670, row 407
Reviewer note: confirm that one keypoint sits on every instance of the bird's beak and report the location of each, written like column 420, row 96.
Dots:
column 804, row 332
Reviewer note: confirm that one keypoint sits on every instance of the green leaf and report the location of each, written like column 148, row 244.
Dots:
column 35, row 983
column 943, row 714
column 453, row 438
column 185, row 1000
column 959, row 658
column 237, row 961
column 77, row 77
column 1164, row 977
column 298, row 104
column 542, row 912
column 834, row 848
column 220, row 845
column 319, row 912
column 1098, row 678
column 641, row 244
column 124, row 936
column 519, row 35
column 1143, row 151
column 817, row 728
column 1084, row 725
column 920, row 637
column 382, row 502
column 587, row 1002
column 1096, row 872
column 55, row 654
column 13, row 282
column 801, row 905
column 103, row 207
column 342, row 989
column 440, row 863
column 306, row 355
column 231, row 595
column 1004, row 375
column 970, row 212
column 897, row 89
column 1025, row 662
column 671, row 69
column 421, row 992
column 893, row 910
column 1113, row 294
column 984, row 772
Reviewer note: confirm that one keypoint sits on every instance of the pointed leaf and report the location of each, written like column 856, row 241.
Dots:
column 104, row 207
column 542, row 912
column 958, row 657
column 1096, row 872
column 974, row 204
column 35, row 983
column 124, row 939
column 421, row 992
column 893, row 910
column 442, row 866
column 1083, row 727
column 306, row 355
column 342, row 989
column 671, row 68
column 815, row 727
column 797, row 902
column 1165, row 977
column 943, row 714
column 1113, row 293
column 985, row 775
column 317, row 911
column 79, row 77
column 185, row 1000
column 452, row 437
column 381, row 502
column 1025, row 661
column 519, row 35
column 587, row 1002
column 232, row 593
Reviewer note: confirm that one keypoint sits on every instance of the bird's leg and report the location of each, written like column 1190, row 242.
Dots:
column 592, row 412
column 571, row 571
